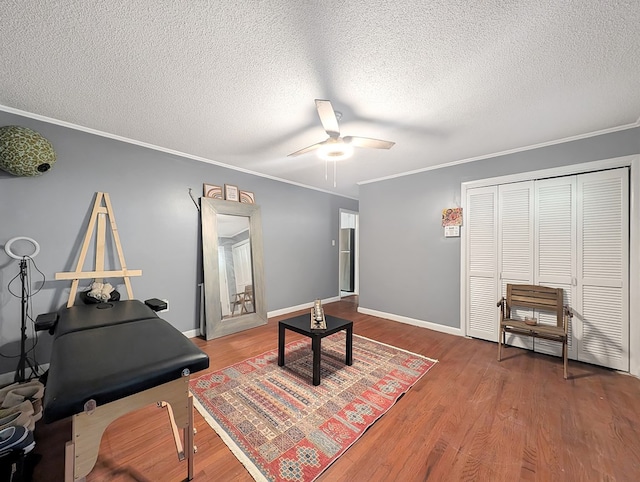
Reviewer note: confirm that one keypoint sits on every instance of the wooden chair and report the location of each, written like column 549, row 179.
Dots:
column 238, row 301
column 248, row 296
column 241, row 300
column 540, row 298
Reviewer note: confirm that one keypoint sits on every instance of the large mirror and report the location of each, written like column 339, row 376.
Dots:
column 233, row 267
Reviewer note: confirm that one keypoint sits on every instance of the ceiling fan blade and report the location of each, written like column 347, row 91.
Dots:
column 306, row 149
column 367, row 142
column 328, row 117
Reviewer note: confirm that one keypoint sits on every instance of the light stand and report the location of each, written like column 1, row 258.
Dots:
column 20, row 375
column 24, row 360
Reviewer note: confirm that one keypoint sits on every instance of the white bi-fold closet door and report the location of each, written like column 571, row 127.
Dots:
column 568, row 232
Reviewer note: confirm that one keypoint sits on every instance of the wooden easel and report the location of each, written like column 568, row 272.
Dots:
column 80, row 465
column 99, row 217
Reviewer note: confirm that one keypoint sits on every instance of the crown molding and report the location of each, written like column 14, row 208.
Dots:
column 504, row 153
column 50, row 120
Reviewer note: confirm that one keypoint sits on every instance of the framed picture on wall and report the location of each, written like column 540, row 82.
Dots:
column 452, row 217
column 247, row 197
column 231, row 192
column 212, row 191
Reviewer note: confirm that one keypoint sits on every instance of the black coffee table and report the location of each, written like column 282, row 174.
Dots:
column 302, row 324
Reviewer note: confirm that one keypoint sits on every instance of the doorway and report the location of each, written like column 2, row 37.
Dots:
column 348, row 253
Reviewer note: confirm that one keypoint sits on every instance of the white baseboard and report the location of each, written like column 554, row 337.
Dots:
column 412, row 321
column 191, row 333
column 270, row 314
column 7, row 378
column 291, row 309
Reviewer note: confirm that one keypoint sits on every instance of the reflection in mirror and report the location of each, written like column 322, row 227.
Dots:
column 233, row 267
column 234, row 257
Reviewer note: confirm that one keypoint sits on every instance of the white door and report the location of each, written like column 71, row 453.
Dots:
column 569, row 232
column 555, row 250
column 515, row 245
column 224, row 283
column 481, row 240
column 602, row 323
column 242, row 264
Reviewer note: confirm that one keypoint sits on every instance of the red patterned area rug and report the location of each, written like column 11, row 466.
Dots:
column 281, row 427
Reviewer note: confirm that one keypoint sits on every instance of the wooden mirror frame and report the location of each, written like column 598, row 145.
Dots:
column 215, row 326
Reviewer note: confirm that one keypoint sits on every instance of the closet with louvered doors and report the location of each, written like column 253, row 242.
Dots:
column 568, row 232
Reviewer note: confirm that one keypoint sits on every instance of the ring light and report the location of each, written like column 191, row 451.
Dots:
column 36, row 247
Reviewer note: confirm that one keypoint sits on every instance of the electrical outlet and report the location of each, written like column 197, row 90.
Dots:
column 167, row 308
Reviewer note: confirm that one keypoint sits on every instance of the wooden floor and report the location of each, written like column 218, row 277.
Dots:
column 470, row 418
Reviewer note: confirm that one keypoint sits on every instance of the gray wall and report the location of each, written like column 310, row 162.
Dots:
column 407, row 266
column 158, row 226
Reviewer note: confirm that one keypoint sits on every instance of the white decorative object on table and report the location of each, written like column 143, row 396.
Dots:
column 318, row 321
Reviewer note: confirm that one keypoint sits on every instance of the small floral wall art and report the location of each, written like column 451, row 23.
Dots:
column 452, row 217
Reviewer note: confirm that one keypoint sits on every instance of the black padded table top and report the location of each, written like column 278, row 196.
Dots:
column 114, row 361
column 87, row 317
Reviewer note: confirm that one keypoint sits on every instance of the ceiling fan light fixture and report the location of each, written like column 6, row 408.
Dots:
column 335, row 151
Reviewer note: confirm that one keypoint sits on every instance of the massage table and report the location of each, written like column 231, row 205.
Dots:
column 109, row 359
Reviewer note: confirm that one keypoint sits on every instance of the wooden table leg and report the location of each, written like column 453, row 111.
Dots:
column 81, row 452
column 281, row 328
column 349, row 347
column 315, row 346
column 188, row 440
column 69, row 461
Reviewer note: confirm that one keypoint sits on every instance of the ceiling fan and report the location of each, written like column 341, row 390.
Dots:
column 336, row 147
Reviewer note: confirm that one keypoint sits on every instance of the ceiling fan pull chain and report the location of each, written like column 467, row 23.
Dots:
column 326, row 170
column 335, row 172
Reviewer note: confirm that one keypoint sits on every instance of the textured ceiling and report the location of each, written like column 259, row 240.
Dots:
column 235, row 82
